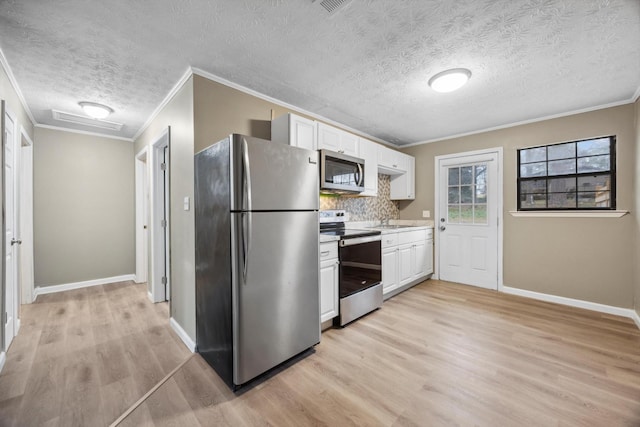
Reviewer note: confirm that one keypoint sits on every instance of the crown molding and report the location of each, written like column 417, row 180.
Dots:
column 223, row 81
column 16, row 88
column 82, row 132
column 524, row 122
column 174, row 90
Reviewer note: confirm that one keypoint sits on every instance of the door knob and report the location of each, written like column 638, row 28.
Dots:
column 442, row 228
column 15, row 241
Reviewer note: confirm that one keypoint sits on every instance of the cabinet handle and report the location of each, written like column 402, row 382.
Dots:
column 323, row 253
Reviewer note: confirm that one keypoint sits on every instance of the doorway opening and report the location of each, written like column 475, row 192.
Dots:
column 25, row 217
column 142, row 216
column 468, row 229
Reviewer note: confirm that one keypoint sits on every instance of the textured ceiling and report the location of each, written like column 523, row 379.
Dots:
column 365, row 66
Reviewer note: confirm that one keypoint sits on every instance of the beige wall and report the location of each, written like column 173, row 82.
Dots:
column 13, row 104
column 589, row 259
column 636, row 210
column 83, row 207
column 178, row 114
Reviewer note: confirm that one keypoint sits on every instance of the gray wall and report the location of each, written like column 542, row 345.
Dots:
column 178, row 114
column 12, row 103
column 590, row 259
column 83, row 201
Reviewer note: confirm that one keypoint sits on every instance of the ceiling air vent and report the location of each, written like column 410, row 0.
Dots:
column 332, row 6
column 86, row 121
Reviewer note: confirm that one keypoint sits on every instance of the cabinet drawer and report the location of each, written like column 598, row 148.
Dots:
column 412, row 236
column 328, row 250
column 389, row 239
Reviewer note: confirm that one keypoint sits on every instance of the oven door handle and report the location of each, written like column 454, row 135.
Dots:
column 359, row 240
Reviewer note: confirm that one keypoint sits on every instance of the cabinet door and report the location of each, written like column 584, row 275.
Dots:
column 328, row 290
column 420, row 264
column 369, row 152
column 303, row 132
column 429, row 257
column 349, row 144
column 389, row 269
column 388, row 158
column 328, row 137
column 410, row 163
column 406, row 255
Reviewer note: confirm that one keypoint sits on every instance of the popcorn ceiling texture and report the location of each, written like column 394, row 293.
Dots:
column 366, row 208
column 366, row 67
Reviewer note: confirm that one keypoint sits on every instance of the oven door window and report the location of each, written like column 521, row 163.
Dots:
column 360, row 267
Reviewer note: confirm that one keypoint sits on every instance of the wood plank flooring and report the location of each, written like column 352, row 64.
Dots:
column 438, row 354
column 83, row 357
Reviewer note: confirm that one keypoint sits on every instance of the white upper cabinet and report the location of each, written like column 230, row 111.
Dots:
column 369, row 152
column 295, row 130
column 390, row 162
column 334, row 139
column 403, row 186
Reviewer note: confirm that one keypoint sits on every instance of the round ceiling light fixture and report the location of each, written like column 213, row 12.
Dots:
column 450, row 80
column 97, row 111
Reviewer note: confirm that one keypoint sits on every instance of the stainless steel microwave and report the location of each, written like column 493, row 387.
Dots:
column 340, row 173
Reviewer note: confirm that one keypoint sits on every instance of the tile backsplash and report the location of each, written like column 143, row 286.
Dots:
column 366, row 208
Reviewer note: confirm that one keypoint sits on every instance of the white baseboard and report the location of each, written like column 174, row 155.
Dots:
column 602, row 308
column 636, row 318
column 3, row 358
column 186, row 339
column 41, row 290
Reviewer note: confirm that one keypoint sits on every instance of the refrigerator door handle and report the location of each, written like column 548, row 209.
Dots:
column 246, row 244
column 247, row 176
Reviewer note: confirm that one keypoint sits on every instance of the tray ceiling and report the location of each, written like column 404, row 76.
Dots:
column 365, row 65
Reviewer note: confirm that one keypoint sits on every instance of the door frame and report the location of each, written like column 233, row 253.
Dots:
column 14, row 259
column 159, row 204
column 499, row 201
column 25, row 208
column 142, row 215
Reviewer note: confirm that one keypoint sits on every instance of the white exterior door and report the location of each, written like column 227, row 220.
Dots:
column 468, row 216
column 11, row 276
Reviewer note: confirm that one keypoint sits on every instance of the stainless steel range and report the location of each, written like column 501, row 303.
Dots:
column 360, row 285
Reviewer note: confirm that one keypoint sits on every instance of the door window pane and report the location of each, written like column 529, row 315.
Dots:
column 466, row 175
column 466, row 214
column 466, row 194
column 481, row 194
column 454, row 176
column 453, row 216
column 454, row 194
column 480, row 214
column 480, row 174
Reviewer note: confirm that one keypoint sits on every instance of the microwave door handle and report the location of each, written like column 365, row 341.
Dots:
column 360, row 176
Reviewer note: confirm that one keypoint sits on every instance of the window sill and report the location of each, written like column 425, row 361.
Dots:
column 569, row 214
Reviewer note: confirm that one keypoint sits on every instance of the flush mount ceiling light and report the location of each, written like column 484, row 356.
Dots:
column 97, row 111
column 450, row 80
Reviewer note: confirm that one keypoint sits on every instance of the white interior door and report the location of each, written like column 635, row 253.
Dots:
column 468, row 217
column 11, row 276
column 25, row 197
column 159, row 219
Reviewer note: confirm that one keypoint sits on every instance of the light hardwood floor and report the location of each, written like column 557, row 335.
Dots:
column 83, row 357
column 438, row 354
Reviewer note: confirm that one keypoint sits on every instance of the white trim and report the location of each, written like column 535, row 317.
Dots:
column 569, row 214
column 267, row 98
column 26, row 219
column 141, row 161
column 160, row 262
column 3, row 359
column 174, row 90
column 42, row 290
column 636, row 318
column 83, row 132
column 587, row 305
column 186, row 339
column 16, row 88
column 500, row 202
column 523, row 122
column 636, row 95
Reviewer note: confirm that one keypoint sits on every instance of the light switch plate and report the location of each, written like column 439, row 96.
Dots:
column 426, row 214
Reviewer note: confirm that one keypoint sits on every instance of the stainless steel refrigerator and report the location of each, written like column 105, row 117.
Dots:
column 257, row 291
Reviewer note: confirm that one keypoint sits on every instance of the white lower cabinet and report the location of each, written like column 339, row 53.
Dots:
column 406, row 257
column 329, row 276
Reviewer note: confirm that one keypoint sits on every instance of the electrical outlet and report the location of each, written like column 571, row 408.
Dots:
column 426, row 214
